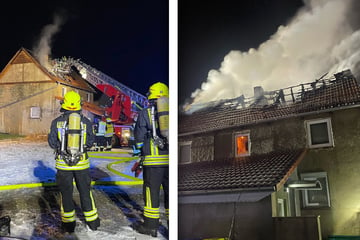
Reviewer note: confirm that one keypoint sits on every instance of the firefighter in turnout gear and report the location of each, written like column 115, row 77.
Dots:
column 70, row 135
column 109, row 132
column 155, row 152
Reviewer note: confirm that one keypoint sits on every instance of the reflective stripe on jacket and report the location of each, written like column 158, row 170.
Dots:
column 109, row 130
column 54, row 140
column 84, row 163
column 143, row 137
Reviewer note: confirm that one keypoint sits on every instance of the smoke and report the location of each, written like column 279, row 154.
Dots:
column 42, row 50
column 322, row 38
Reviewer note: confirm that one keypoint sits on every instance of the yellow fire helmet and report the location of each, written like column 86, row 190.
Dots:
column 72, row 101
column 158, row 90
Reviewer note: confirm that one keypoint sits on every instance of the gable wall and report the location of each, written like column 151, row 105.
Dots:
column 23, row 86
column 25, row 72
column 342, row 164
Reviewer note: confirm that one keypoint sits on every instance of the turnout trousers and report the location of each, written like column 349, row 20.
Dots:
column 155, row 178
column 64, row 180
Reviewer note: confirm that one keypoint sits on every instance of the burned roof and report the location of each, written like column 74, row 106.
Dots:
column 68, row 75
column 322, row 95
column 256, row 172
column 70, row 78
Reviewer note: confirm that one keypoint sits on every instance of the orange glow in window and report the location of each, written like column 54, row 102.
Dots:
column 242, row 143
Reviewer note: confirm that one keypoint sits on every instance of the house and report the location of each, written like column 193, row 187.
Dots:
column 30, row 94
column 283, row 165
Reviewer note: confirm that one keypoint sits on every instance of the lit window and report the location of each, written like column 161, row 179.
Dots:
column 185, row 152
column 316, row 197
column 319, row 133
column 242, row 144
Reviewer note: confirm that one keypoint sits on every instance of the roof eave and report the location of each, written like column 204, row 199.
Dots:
column 225, row 191
column 291, row 170
column 77, row 87
column 223, row 196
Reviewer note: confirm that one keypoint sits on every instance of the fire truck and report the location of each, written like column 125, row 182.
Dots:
column 117, row 102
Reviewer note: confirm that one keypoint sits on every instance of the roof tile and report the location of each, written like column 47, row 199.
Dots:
column 338, row 93
column 252, row 172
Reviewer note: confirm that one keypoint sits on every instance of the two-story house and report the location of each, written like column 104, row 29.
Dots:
column 282, row 165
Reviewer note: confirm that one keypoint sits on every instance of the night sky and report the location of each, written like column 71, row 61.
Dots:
column 208, row 30
column 127, row 39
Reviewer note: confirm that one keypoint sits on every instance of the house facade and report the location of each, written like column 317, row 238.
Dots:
column 30, row 95
column 282, row 167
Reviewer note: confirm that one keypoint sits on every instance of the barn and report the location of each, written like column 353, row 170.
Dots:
column 30, row 94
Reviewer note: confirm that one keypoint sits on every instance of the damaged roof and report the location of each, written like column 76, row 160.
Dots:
column 252, row 173
column 326, row 95
column 256, row 175
column 72, row 78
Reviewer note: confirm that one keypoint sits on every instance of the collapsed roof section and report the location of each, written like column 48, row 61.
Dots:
column 342, row 90
column 71, row 78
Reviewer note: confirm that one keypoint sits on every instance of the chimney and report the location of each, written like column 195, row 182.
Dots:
column 258, row 92
column 259, row 97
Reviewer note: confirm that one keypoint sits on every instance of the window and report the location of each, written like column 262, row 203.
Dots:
column 63, row 91
column 242, row 144
column 35, row 112
column 185, row 152
column 319, row 133
column 281, row 207
column 316, row 197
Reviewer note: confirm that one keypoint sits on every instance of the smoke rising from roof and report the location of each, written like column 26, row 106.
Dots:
column 42, row 51
column 322, row 38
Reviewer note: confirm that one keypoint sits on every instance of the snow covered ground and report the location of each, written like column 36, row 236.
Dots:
column 34, row 210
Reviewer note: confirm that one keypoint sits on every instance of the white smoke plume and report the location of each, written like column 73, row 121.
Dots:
column 320, row 39
column 42, row 51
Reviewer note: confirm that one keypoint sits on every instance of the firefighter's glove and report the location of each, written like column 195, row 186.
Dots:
column 136, row 152
column 137, row 168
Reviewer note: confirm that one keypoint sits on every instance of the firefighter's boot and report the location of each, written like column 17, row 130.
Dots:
column 141, row 228
column 93, row 225
column 5, row 226
column 68, row 226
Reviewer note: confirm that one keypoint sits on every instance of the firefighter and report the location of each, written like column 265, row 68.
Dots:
column 72, row 165
column 109, row 132
column 100, row 134
column 156, row 161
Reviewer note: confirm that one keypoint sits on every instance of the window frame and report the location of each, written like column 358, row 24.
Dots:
column 330, row 142
column 236, row 135
column 313, row 176
column 63, row 91
column 35, row 112
column 281, row 207
column 182, row 144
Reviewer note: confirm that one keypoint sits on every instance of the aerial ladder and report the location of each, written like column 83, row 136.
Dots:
column 123, row 102
column 95, row 77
